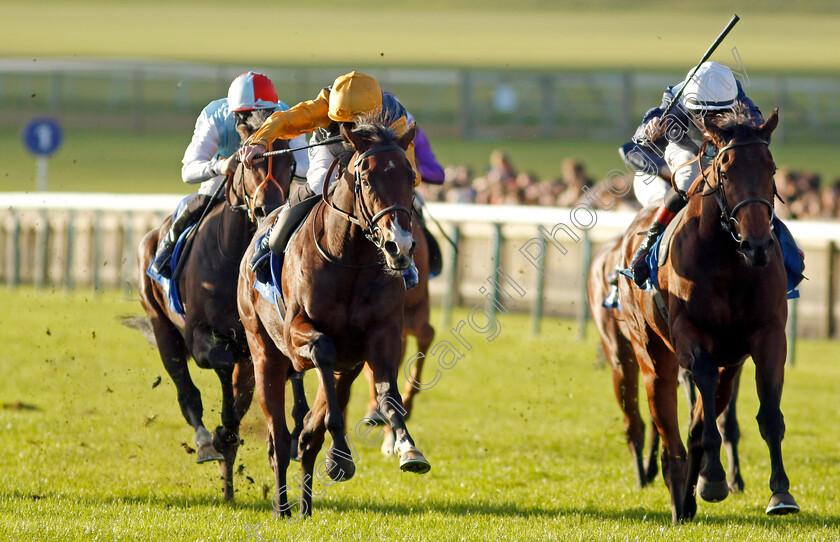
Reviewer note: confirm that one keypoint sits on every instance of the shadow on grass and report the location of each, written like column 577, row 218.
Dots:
column 457, row 509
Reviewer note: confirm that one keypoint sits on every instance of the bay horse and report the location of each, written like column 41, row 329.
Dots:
column 209, row 330
column 343, row 294
column 618, row 351
column 725, row 301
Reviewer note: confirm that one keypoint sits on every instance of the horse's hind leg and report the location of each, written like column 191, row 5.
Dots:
column 731, row 432
column 299, row 410
column 237, row 392
column 270, row 369
column 625, row 386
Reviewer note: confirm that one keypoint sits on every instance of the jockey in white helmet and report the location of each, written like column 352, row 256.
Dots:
column 712, row 90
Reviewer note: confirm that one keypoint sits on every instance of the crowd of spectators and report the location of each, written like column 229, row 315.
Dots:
column 805, row 196
column 803, row 193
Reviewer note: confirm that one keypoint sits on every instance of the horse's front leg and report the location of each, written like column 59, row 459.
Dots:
column 384, row 347
column 704, row 467
column 310, row 344
column 768, row 352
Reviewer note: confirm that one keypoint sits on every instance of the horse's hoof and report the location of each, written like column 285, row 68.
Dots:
column 207, row 452
column 712, row 491
column 736, row 485
column 413, row 461
column 782, row 504
column 339, row 470
column 374, row 417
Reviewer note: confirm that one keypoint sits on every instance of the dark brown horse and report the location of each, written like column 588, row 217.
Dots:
column 724, row 288
column 210, row 330
column 618, row 351
column 344, row 295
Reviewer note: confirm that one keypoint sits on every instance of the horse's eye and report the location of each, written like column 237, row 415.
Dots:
column 723, row 177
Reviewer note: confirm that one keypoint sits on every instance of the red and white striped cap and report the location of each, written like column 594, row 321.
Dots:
column 251, row 90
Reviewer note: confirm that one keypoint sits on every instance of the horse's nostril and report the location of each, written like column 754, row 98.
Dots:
column 391, row 248
column 411, row 251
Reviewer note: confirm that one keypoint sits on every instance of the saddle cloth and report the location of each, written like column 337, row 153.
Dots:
column 170, row 288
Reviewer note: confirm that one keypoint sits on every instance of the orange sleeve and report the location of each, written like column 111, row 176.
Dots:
column 303, row 118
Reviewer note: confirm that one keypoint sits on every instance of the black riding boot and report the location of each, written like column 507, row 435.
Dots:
column 189, row 214
column 304, row 193
column 671, row 205
column 641, row 271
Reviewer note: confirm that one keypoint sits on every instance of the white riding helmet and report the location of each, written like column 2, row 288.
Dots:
column 712, row 87
column 251, row 90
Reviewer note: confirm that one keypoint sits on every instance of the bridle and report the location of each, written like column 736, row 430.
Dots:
column 250, row 206
column 369, row 221
column 728, row 221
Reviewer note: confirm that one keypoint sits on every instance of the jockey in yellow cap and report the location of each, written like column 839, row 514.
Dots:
column 350, row 97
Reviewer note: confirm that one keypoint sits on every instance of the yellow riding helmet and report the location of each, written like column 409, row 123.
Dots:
column 352, row 95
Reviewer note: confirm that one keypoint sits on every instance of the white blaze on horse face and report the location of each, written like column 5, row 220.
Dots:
column 395, row 233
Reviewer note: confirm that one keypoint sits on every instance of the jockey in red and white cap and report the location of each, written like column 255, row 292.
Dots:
column 211, row 154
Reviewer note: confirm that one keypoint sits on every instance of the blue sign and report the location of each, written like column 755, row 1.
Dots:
column 42, row 136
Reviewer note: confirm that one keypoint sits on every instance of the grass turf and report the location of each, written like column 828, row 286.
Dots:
column 524, row 437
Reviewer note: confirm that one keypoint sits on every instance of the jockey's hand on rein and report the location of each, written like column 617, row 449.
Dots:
column 246, row 155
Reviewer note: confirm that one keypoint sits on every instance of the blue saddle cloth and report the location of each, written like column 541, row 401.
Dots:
column 793, row 257
column 267, row 278
column 170, row 288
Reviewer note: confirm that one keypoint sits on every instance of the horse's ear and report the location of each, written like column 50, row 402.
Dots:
column 405, row 140
column 769, row 125
column 357, row 141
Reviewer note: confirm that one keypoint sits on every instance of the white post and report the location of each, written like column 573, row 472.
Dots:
column 41, row 167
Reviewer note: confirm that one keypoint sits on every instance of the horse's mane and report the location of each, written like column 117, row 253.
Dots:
column 737, row 122
column 371, row 128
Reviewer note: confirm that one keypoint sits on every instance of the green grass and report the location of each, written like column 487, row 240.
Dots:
column 524, row 437
column 112, row 161
column 772, row 37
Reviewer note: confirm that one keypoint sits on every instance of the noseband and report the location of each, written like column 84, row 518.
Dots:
column 727, row 216
column 368, row 222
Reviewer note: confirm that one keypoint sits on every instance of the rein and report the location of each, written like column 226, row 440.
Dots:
column 727, row 216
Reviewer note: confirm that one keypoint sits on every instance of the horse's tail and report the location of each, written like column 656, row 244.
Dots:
column 141, row 324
